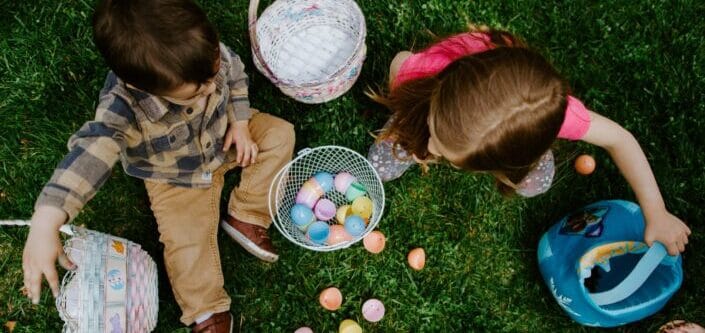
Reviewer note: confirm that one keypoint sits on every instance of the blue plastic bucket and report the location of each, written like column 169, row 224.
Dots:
column 600, row 271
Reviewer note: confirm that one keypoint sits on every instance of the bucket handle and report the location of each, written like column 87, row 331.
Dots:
column 66, row 228
column 256, row 52
column 641, row 272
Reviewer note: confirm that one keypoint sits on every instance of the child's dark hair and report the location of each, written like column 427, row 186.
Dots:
column 156, row 45
column 496, row 111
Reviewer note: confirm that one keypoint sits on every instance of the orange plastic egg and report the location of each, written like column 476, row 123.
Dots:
column 337, row 234
column 417, row 258
column 585, row 164
column 331, row 299
column 374, row 242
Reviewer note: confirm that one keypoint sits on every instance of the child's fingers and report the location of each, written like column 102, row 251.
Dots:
column 35, row 286
column 673, row 249
column 246, row 156
column 239, row 152
column 53, row 280
column 65, row 262
column 255, row 151
column 228, row 141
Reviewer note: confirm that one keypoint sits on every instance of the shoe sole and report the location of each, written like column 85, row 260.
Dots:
column 247, row 244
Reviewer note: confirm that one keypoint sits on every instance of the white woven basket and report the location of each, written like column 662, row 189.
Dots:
column 114, row 289
column 313, row 50
column 331, row 159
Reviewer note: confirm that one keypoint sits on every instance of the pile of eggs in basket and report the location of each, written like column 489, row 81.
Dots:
column 312, row 212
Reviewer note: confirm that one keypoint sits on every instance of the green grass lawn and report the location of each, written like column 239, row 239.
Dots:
column 641, row 63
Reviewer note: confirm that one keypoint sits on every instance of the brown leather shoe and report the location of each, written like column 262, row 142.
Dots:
column 252, row 237
column 217, row 323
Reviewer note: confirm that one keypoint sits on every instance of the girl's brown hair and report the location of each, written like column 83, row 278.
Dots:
column 496, row 111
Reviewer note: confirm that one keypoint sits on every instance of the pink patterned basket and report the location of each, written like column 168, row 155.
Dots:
column 113, row 290
column 312, row 50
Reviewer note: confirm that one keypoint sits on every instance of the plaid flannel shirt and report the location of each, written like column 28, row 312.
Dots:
column 154, row 139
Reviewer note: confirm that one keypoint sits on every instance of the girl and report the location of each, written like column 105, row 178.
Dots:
column 484, row 102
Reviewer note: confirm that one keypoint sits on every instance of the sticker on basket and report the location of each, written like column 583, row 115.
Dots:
column 116, row 320
column 117, row 248
column 586, row 222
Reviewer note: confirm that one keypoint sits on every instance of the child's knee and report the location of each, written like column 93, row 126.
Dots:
column 279, row 134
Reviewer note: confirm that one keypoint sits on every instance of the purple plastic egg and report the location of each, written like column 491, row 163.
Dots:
column 324, row 210
column 373, row 310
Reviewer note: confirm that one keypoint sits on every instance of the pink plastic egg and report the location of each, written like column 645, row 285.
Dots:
column 338, row 235
column 417, row 258
column 331, row 299
column 324, row 210
column 374, row 242
column 304, row 330
column 373, row 310
column 343, row 181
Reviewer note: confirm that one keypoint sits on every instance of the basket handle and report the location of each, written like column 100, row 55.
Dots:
column 641, row 272
column 66, row 228
column 256, row 52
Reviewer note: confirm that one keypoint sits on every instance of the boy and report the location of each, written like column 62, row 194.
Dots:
column 172, row 107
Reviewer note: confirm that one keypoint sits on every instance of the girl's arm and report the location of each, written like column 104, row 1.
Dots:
column 661, row 225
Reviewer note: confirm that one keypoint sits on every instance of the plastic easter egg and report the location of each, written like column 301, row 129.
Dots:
column 374, row 242
column 355, row 225
column 309, row 193
column 343, row 181
column 373, row 310
column 324, row 209
column 362, row 206
column 331, row 299
column 354, row 191
column 349, row 326
column 417, row 258
column 338, row 235
column 318, row 232
column 343, row 212
column 302, row 216
column 325, row 180
column 304, row 330
column 585, row 164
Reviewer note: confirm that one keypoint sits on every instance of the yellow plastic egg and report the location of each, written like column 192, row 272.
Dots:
column 374, row 242
column 331, row 299
column 417, row 258
column 349, row 326
column 362, row 207
column 343, row 212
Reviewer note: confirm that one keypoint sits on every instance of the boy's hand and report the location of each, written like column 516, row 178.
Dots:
column 667, row 229
column 42, row 249
column 246, row 148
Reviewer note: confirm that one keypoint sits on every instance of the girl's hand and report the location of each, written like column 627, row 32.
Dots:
column 41, row 251
column 667, row 229
column 247, row 150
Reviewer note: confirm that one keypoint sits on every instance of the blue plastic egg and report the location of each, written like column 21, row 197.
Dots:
column 355, row 225
column 302, row 216
column 318, row 232
column 325, row 179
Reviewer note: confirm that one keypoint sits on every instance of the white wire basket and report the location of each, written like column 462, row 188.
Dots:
column 309, row 161
column 313, row 50
column 114, row 287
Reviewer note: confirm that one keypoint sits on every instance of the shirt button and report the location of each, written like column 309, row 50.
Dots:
column 208, row 144
column 210, row 159
column 189, row 110
column 172, row 138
